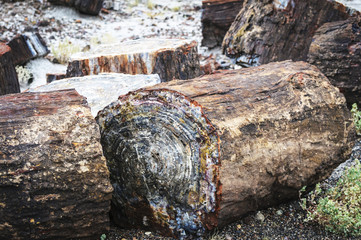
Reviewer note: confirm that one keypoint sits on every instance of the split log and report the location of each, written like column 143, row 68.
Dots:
column 169, row 58
column 217, row 17
column 8, row 78
column 53, row 176
column 91, row 7
column 186, row 156
column 26, row 47
column 266, row 31
column 336, row 51
column 102, row 89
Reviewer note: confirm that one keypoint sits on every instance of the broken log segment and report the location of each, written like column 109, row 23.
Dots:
column 8, row 78
column 169, row 58
column 281, row 126
column 53, row 176
column 101, row 90
column 267, row 31
column 336, row 51
column 91, row 7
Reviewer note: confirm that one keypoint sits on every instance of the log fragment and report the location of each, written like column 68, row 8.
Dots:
column 53, row 176
column 169, row 58
column 336, row 51
column 266, row 31
column 8, row 78
column 101, row 90
column 217, row 17
column 91, row 7
column 51, row 77
column 186, row 156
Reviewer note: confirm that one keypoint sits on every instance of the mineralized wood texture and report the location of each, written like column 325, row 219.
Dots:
column 336, row 51
column 266, row 31
column 8, row 78
column 169, row 58
column 217, row 17
column 53, row 176
column 91, row 7
column 263, row 132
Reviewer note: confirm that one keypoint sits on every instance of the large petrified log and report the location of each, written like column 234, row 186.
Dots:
column 102, row 89
column 91, row 7
column 217, row 17
column 266, row 31
column 336, row 51
column 8, row 78
column 169, row 58
column 186, row 156
column 54, row 183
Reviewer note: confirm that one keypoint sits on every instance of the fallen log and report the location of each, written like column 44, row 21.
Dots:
column 91, row 7
column 266, row 31
column 53, row 176
column 169, row 58
column 102, row 89
column 8, row 78
column 336, row 51
column 217, row 17
column 51, row 77
column 186, row 156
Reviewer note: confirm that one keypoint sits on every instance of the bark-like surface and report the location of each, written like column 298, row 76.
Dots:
column 217, row 17
column 54, row 182
column 266, row 31
column 281, row 126
column 169, row 58
column 91, row 7
column 336, row 51
column 8, row 78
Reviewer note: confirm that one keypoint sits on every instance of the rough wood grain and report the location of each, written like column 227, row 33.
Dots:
column 169, row 58
column 91, row 7
column 281, row 126
column 336, row 51
column 54, row 183
column 8, row 78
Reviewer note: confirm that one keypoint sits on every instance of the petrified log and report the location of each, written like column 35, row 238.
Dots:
column 8, row 78
column 186, row 156
column 217, row 17
column 26, row 47
column 169, row 58
column 336, row 51
column 102, row 89
column 266, row 31
column 50, row 77
column 53, row 176
column 91, row 7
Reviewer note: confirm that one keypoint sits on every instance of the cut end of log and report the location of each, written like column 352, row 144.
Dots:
column 4, row 49
column 163, row 156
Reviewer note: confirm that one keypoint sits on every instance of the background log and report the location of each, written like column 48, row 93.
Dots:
column 217, row 17
column 91, row 7
column 169, row 58
column 266, row 31
column 336, row 51
column 8, row 78
column 186, row 156
column 53, row 177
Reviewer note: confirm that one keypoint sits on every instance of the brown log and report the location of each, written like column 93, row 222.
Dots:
column 186, row 156
column 266, row 31
column 169, row 58
column 8, row 78
column 91, row 7
column 217, row 17
column 53, row 177
column 336, row 51
column 50, row 77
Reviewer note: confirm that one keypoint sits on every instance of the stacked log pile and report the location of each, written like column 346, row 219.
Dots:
column 53, row 177
column 8, row 78
column 186, row 156
column 91, row 7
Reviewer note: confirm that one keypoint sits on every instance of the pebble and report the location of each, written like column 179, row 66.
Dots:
column 259, row 217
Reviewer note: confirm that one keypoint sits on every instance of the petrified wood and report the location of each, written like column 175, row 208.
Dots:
column 103, row 89
column 8, row 78
column 217, row 17
column 54, row 182
column 336, row 51
column 169, row 58
column 186, row 156
column 266, row 31
column 91, row 7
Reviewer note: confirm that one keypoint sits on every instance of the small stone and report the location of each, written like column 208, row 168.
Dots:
column 148, row 233
column 279, row 212
column 259, row 217
column 239, row 226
